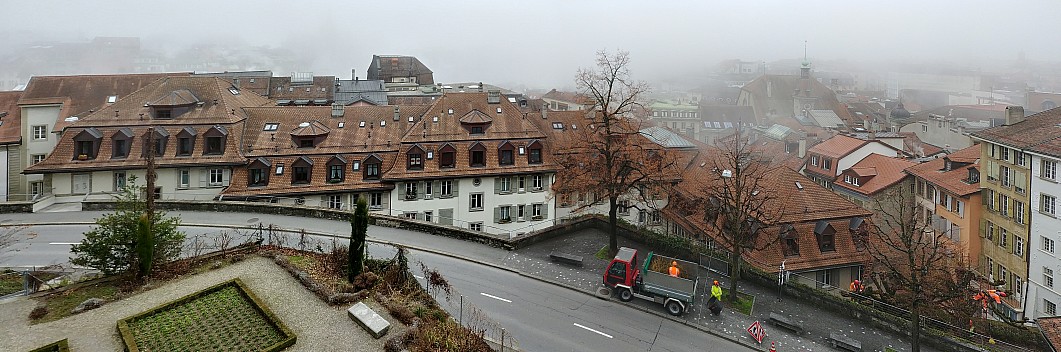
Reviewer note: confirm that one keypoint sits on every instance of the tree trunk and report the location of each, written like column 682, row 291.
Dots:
column 613, row 240
column 734, row 273
column 915, row 327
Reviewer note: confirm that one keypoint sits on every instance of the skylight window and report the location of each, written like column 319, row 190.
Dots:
column 111, row 99
column 342, row 124
column 271, row 127
column 574, row 126
column 558, row 125
column 383, row 123
column 434, row 119
column 410, row 119
column 362, row 124
column 233, row 90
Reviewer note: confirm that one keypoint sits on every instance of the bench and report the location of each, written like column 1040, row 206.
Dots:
column 566, row 258
column 785, row 322
column 844, row 342
column 373, row 323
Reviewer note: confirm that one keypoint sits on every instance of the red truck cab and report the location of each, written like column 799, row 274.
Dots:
column 623, row 269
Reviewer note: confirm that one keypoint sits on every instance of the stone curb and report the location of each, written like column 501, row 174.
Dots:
column 457, row 256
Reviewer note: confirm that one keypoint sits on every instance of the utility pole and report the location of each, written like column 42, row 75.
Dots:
column 150, row 192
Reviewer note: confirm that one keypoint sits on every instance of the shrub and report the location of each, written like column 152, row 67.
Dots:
column 38, row 312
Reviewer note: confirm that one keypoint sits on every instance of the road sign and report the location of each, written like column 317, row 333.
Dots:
column 757, row 332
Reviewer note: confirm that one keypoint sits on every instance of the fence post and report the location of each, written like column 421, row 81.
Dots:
column 502, row 339
column 460, row 317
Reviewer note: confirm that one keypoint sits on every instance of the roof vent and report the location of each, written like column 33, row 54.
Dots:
column 304, row 124
column 498, row 110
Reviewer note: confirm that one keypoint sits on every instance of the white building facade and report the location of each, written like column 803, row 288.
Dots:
column 1044, row 260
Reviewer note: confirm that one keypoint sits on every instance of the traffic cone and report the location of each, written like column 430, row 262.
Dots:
column 772, row 349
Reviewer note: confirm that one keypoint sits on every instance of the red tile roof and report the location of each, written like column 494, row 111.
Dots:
column 954, row 180
column 838, row 147
column 802, row 203
column 11, row 119
column 1038, row 133
column 85, row 93
column 1051, row 329
column 883, row 172
column 916, row 147
column 132, row 114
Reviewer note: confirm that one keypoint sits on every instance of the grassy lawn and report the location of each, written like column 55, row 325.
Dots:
column 744, row 303
column 60, row 304
column 602, row 254
column 222, row 320
column 10, row 282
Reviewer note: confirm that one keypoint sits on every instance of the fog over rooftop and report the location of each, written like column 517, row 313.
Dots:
column 542, row 43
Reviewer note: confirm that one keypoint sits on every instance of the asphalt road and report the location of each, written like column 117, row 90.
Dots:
column 540, row 316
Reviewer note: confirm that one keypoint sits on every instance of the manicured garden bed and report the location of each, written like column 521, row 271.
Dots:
column 224, row 317
column 57, row 346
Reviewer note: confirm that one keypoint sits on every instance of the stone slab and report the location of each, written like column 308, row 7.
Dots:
column 369, row 320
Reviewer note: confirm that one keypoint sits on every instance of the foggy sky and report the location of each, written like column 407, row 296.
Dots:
column 543, row 43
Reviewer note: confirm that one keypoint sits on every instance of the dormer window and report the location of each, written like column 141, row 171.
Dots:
column 415, row 158
column 477, row 157
column 447, row 157
column 161, row 137
column 825, row 234
column 789, row 240
column 121, row 141
column 174, row 104
column 336, row 169
column 300, row 171
column 476, row 129
column 476, row 121
column 163, row 113
column 186, row 141
column 215, row 140
column 86, row 144
column 258, row 173
column 534, row 153
column 309, row 134
column 372, row 167
column 505, row 154
column 974, row 175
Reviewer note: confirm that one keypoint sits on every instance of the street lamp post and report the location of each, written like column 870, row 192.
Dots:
column 780, row 280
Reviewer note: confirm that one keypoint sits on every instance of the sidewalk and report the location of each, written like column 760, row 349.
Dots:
column 534, row 261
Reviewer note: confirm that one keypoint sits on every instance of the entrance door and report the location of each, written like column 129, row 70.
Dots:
column 82, row 184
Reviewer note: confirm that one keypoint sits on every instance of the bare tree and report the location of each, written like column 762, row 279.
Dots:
column 609, row 158
column 917, row 265
column 738, row 201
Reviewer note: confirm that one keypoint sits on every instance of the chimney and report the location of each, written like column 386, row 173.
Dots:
column 353, row 74
column 802, row 145
column 235, row 82
column 493, row 97
column 397, row 113
column 338, row 110
column 1014, row 114
column 545, row 111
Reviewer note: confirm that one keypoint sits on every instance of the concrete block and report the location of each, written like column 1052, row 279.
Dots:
column 369, row 320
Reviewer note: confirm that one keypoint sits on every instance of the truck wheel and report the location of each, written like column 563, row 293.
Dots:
column 674, row 308
column 625, row 295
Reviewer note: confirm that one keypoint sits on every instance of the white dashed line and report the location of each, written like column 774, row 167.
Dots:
column 495, row 297
column 63, row 243
column 587, row 328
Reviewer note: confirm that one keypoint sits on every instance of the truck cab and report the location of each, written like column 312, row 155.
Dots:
column 623, row 269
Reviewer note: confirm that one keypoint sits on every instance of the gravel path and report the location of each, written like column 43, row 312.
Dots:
column 318, row 326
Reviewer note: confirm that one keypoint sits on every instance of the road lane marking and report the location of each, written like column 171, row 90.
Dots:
column 587, row 328
column 495, row 297
column 63, row 243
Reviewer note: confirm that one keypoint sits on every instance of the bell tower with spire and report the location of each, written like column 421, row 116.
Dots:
column 804, row 68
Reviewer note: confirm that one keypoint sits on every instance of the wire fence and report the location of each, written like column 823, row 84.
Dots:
column 468, row 314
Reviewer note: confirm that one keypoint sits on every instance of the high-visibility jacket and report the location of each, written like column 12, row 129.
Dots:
column 674, row 271
column 716, row 291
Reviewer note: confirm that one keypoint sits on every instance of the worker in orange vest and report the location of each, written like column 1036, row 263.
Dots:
column 857, row 287
column 674, row 271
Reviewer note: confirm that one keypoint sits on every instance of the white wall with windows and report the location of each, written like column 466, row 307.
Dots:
column 196, row 183
column 510, row 204
column 37, row 138
column 632, row 209
column 1044, row 260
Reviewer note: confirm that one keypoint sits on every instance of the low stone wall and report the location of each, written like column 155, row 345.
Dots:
column 240, row 207
column 499, row 241
column 16, row 207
